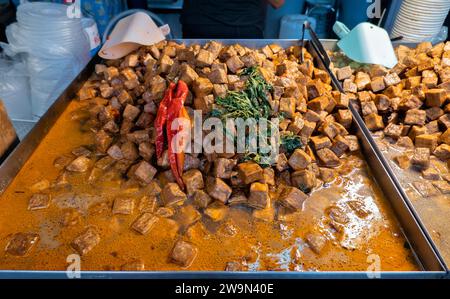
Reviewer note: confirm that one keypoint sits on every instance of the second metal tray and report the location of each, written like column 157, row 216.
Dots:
column 413, row 229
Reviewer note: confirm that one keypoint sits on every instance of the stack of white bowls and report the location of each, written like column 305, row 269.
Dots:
column 56, row 49
column 419, row 20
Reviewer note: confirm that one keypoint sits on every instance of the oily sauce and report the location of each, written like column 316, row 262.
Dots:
column 263, row 240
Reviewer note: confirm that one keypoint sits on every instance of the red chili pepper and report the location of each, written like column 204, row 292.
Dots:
column 176, row 106
column 182, row 90
column 182, row 141
column 161, row 119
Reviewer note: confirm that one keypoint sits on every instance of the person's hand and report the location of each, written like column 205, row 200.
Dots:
column 276, row 3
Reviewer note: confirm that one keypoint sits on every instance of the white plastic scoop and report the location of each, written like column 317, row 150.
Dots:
column 130, row 33
column 366, row 43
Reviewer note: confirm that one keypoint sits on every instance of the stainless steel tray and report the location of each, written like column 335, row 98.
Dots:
column 420, row 243
column 429, row 218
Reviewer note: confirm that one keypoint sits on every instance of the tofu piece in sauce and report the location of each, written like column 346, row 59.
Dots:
column 21, row 244
column 86, row 241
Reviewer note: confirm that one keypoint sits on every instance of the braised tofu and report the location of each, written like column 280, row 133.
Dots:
column 327, row 175
column 412, row 82
column 382, row 102
column 188, row 74
column 237, row 199
column 320, row 103
column 344, row 73
column 223, row 167
column 202, row 199
column 146, row 150
column 393, row 130
column 204, row 58
column 21, row 244
column 204, row 103
column 445, row 137
column 377, row 84
column 299, row 160
column 425, row 188
column 86, row 241
column 444, row 121
column 435, row 97
column 402, row 161
column 188, row 215
column 183, row 253
column 123, row 206
column 344, row 117
column 296, row 125
column 415, row 117
column 362, row 80
column 434, row 113
column 305, row 180
column 193, row 180
column 281, row 162
column 39, row 201
column 115, row 152
column 218, row 189
column 235, row 64
column 216, row 211
column 328, row 158
column 316, row 242
column 102, row 141
column 442, row 152
column 427, row 141
column 259, row 195
column 80, row 164
column 430, row 174
column 368, row 107
column 340, row 145
column 172, row 195
column 250, row 172
column 421, row 158
column 307, row 130
column 202, row 87
column 218, row 76
column 442, row 186
column 144, row 223
column 353, row 143
column 391, row 79
column 374, row 122
column 268, row 176
column 146, row 204
column 145, row 172
column 287, row 106
column 320, row 142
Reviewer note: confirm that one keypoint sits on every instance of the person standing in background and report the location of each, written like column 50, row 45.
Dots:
column 225, row 18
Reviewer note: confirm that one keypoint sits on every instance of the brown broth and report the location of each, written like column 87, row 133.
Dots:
column 264, row 244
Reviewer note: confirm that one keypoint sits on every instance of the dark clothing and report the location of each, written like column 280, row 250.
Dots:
column 132, row 4
column 222, row 31
column 223, row 18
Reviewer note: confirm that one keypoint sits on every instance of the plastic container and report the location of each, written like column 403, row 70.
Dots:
column 15, row 89
column 420, row 20
column 55, row 46
column 91, row 30
column 273, row 16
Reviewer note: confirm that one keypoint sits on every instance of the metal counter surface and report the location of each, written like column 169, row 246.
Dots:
column 418, row 238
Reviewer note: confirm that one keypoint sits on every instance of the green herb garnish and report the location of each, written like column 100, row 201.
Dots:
column 251, row 102
column 290, row 142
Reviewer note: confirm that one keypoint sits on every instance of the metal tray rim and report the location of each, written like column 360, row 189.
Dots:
column 21, row 154
column 25, row 274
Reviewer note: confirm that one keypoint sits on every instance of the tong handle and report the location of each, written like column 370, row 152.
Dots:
column 316, row 43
